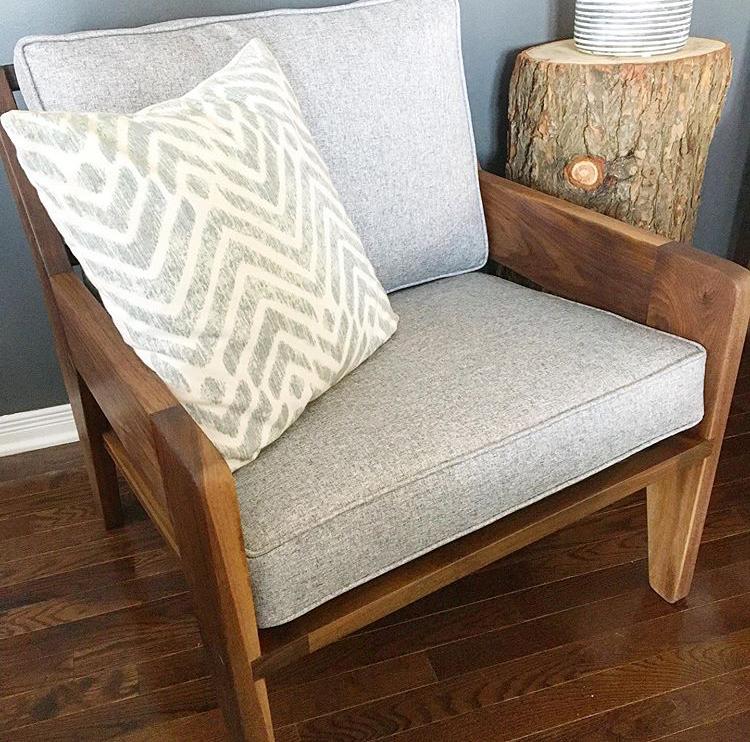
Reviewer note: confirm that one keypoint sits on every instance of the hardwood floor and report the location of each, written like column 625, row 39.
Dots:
column 560, row 641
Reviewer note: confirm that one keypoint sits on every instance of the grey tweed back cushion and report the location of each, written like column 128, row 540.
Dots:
column 381, row 87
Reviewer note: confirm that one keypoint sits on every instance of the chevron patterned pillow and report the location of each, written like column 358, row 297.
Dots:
column 212, row 230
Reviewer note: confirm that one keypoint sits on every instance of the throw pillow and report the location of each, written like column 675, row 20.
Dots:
column 211, row 228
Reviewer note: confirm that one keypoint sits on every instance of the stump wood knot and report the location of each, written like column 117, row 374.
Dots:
column 585, row 172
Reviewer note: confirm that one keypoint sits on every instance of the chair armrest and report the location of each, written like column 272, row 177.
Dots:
column 591, row 258
column 568, row 250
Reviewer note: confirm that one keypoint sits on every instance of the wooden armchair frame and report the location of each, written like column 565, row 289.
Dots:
column 129, row 420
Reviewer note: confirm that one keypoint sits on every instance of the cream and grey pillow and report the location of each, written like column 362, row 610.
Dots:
column 212, row 230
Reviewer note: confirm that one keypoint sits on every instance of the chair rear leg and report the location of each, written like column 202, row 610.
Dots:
column 92, row 424
column 677, row 507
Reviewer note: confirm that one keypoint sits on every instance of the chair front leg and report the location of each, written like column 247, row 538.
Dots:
column 203, row 506
column 677, row 507
column 705, row 299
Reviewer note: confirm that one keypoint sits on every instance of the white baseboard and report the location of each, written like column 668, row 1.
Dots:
column 28, row 431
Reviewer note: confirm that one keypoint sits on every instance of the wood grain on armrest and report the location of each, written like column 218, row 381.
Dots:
column 706, row 299
column 568, row 250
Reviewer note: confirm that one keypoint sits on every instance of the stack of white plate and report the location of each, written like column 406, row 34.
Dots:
column 632, row 27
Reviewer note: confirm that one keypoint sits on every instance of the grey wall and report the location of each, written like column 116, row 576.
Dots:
column 494, row 31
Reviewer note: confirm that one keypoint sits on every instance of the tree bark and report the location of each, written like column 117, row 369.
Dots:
column 626, row 137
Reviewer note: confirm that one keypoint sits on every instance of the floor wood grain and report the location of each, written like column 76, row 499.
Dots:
column 560, row 641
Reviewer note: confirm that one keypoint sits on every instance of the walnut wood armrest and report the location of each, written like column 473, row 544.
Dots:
column 586, row 256
column 704, row 298
column 591, row 258
column 569, row 250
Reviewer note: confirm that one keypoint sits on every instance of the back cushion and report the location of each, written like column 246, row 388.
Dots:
column 381, row 86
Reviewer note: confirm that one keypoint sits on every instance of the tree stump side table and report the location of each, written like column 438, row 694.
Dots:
column 625, row 136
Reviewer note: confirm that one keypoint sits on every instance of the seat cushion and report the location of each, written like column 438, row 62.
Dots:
column 390, row 116
column 489, row 397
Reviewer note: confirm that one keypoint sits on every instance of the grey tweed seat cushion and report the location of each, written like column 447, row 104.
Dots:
column 488, row 397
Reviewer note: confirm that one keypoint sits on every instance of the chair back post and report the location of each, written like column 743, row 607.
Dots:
column 47, row 245
column 9, row 71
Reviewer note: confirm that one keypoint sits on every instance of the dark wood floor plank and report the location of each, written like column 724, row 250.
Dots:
column 85, row 532
column 86, row 647
column 727, row 729
column 101, row 688
column 738, row 425
column 32, row 502
column 49, row 519
column 42, row 463
column 127, row 715
column 730, row 494
column 42, row 484
column 287, row 734
column 741, row 402
column 71, row 696
column 20, row 534
column 742, row 388
column 90, row 578
column 108, row 546
column 531, row 672
column 207, row 726
column 651, row 718
column 734, row 463
column 576, row 623
column 78, row 634
column 744, row 371
column 329, row 695
column 172, row 669
column 642, row 694
column 118, row 596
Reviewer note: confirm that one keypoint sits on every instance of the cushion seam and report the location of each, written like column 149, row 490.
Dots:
column 455, row 274
column 508, row 511
column 495, row 445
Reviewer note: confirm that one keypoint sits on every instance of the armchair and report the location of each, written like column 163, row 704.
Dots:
column 129, row 420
